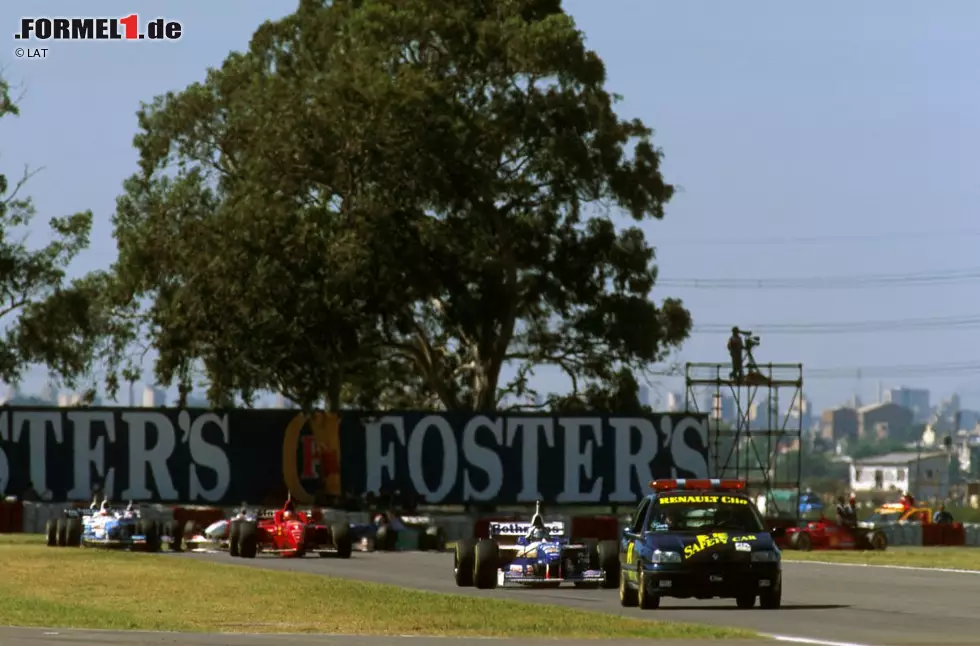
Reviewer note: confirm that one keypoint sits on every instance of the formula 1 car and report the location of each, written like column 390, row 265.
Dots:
column 825, row 534
column 534, row 554
column 288, row 533
column 390, row 532
column 110, row 528
column 215, row 537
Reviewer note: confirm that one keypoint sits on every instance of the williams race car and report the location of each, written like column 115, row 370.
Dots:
column 699, row 539
column 535, row 554
column 215, row 537
column 109, row 528
column 288, row 533
column 390, row 532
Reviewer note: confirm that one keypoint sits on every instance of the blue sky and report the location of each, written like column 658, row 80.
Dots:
column 779, row 121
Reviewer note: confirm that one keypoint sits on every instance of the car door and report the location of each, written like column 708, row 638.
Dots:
column 632, row 539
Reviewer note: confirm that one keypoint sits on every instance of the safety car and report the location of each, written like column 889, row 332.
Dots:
column 699, row 539
column 535, row 554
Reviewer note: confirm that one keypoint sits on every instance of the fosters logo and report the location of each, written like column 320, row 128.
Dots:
column 705, row 541
column 311, row 456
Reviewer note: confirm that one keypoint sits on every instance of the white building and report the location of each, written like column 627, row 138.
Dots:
column 643, row 394
column 675, row 401
column 66, row 400
column 154, row 397
column 924, row 475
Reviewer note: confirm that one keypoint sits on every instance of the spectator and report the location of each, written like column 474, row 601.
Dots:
column 942, row 517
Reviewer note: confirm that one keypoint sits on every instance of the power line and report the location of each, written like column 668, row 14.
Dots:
column 822, row 239
column 849, row 327
column 922, row 279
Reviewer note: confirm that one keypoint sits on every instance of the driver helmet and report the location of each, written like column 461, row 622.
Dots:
column 104, row 508
column 853, row 497
column 287, row 515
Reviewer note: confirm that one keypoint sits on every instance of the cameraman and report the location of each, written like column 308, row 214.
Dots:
column 735, row 348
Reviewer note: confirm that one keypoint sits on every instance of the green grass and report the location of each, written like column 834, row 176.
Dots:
column 959, row 558
column 82, row 588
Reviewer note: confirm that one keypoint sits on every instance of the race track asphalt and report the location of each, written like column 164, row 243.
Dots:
column 850, row 605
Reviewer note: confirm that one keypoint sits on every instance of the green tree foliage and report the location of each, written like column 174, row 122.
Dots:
column 48, row 319
column 868, row 447
column 390, row 201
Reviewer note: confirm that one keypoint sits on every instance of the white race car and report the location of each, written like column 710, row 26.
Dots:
column 214, row 538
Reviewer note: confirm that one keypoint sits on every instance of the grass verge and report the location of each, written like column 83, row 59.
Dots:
column 84, row 588
column 958, row 558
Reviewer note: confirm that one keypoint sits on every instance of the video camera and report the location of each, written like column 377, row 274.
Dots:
column 751, row 340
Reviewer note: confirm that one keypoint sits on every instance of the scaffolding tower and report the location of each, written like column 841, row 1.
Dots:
column 754, row 435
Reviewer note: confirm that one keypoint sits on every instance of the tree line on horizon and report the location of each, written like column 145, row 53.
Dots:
column 379, row 204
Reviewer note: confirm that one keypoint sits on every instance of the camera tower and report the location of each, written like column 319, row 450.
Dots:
column 756, row 424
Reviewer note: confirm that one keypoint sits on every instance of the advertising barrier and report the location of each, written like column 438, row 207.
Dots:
column 227, row 457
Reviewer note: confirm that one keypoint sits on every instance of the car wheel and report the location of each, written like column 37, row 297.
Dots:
column 51, row 529
column 464, row 562
column 879, row 541
column 627, row 595
column 151, row 530
column 437, row 539
column 234, row 538
column 646, row 600
column 62, row 532
column 75, row 532
column 386, row 540
column 772, row 599
column 248, row 540
column 342, row 540
column 801, row 542
column 485, row 565
column 745, row 601
column 608, row 552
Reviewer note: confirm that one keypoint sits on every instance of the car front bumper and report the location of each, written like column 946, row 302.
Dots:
column 706, row 582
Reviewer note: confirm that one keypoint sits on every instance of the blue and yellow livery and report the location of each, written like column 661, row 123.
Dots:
column 700, row 539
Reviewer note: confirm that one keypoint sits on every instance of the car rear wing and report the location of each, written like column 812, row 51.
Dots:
column 555, row 528
column 416, row 520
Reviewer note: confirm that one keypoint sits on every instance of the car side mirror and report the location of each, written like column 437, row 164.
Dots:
column 778, row 532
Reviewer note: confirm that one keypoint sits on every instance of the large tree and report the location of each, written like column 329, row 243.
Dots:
column 427, row 185
column 48, row 319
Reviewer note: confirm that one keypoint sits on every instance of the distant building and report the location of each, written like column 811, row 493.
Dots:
column 49, row 394
column 883, row 420
column 839, row 424
column 154, row 397
column 66, row 400
column 284, row 402
column 914, row 399
column 723, row 408
column 643, row 394
column 675, row 402
column 924, row 475
column 196, row 401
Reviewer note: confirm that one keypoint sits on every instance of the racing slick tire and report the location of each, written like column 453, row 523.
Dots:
column 235, row 538
column 75, row 532
column 627, row 595
column 608, row 552
column 151, row 529
column 433, row 539
column 248, row 540
column 486, row 565
column 386, row 540
column 772, row 599
column 343, row 542
column 464, row 562
column 176, row 533
column 62, row 532
column 51, row 531
column 644, row 598
column 801, row 541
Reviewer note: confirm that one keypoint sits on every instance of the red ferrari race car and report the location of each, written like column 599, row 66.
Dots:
column 825, row 534
column 288, row 533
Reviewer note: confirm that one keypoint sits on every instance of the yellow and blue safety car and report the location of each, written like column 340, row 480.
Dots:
column 700, row 539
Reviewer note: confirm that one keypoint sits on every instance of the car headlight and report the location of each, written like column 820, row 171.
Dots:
column 765, row 556
column 659, row 556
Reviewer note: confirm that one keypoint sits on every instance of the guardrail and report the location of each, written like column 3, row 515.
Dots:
column 30, row 517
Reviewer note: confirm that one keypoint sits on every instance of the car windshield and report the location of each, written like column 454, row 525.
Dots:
column 705, row 512
column 885, row 517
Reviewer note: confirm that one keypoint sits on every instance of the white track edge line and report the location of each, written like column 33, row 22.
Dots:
column 887, row 567
column 808, row 640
